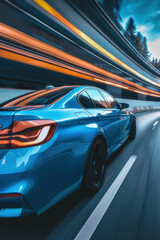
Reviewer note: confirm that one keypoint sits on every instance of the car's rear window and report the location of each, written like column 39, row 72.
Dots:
column 40, row 98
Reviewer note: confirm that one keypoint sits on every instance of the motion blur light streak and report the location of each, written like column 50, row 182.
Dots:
column 90, row 41
column 39, row 63
column 62, row 65
column 35, row 56
column 27, row 40
column 49, row 66
column 113, row 84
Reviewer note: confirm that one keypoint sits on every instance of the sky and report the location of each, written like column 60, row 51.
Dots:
column 146, row 14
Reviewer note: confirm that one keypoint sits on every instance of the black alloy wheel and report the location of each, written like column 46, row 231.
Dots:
column 95, row 167
column 133, row 130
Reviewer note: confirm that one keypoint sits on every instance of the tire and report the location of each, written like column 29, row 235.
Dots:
column 95, row 167
column 133, row 130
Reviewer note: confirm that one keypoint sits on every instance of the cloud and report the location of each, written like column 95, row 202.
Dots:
column 154, row 48
column 147, row 30
column 142, row 28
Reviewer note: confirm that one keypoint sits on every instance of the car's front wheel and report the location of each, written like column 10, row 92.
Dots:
column 95, row 167
column 133, row 130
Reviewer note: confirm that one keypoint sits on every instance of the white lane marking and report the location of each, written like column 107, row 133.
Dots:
column 91, row 224
column 154, row 125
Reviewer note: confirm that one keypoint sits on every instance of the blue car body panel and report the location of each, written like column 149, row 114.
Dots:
column 47, row 173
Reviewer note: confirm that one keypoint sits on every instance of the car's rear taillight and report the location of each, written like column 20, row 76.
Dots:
column 5, row 137
column 27, row 133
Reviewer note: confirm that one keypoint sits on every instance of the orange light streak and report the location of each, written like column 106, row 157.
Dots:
column 39, row 63
column 31, row 42
column 90, row 41
column 22, row 52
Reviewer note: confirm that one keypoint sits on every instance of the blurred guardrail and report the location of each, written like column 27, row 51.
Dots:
column 135, row 106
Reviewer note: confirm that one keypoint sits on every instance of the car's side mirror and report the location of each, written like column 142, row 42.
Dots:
column 123, row 105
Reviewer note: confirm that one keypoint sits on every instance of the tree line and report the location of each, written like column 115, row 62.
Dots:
column 112, row 8
column 139, row 42
column 156, row 63
column 136, row 38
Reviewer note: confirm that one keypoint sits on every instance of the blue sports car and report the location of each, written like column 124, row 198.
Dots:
column 54, row 141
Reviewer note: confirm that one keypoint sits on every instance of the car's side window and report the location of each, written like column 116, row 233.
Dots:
column 97, row 98
column 85, row 100
column 112, row 103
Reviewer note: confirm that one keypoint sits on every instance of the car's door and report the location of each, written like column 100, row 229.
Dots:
column 123, row 122
column 107, row 118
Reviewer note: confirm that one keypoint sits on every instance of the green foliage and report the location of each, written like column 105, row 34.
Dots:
column 156, row 63
column 136, row 39
column 131, row 27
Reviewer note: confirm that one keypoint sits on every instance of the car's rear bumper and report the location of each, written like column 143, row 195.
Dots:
column 14, row 206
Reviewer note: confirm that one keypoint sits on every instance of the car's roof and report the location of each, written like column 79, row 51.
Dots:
column 72, row 86
column 78, row 87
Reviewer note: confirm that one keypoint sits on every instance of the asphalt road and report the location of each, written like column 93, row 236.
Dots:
column 126, row 208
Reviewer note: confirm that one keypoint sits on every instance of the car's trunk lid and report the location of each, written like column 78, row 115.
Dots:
column 7, row 114
column 6, row 118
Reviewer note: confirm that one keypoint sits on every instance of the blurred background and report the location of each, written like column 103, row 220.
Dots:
column 110, row 44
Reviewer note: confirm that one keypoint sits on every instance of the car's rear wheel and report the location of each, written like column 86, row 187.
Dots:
column 95, row 167
column 133, row 130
